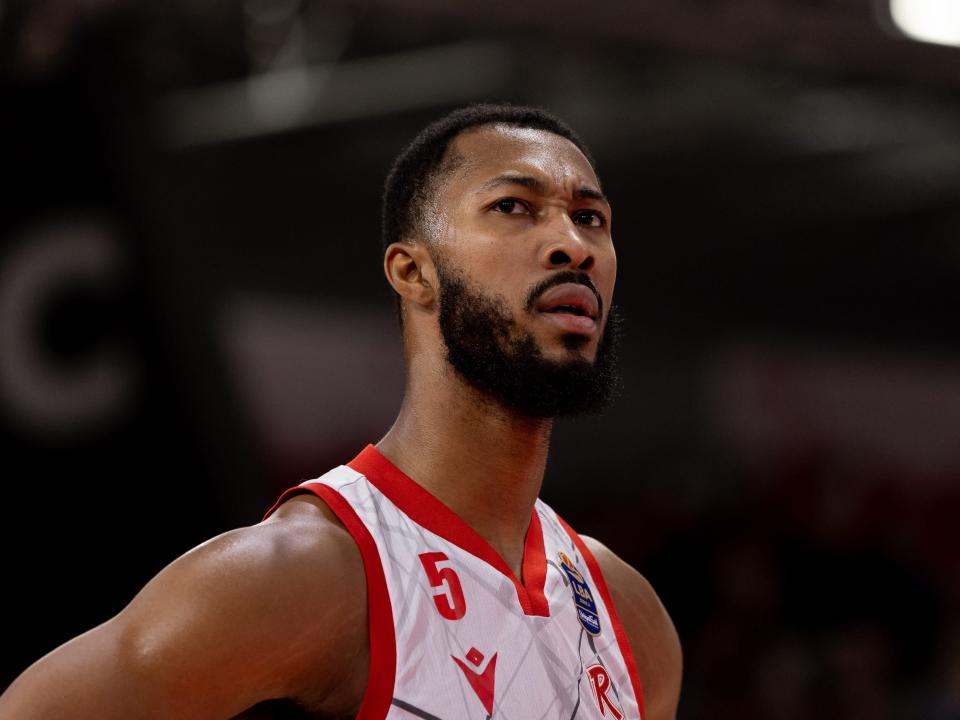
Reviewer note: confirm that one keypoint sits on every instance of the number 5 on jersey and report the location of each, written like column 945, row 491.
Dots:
column 448, row 595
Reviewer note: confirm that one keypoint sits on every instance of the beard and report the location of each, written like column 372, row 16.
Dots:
column 496, row 356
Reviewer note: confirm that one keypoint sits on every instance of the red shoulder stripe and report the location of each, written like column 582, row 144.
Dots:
column 618, row 630
column 383, row 648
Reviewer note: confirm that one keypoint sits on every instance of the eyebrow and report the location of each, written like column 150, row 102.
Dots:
column 532, row 183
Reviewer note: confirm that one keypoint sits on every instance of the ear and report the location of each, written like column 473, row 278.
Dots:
column 410, row 271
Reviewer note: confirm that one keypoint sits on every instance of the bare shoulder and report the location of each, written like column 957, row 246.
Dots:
column 652, row 636
column 285, row 600
column 275, row 610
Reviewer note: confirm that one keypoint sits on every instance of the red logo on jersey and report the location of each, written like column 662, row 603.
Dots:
column 481, row 682
column 600, row 682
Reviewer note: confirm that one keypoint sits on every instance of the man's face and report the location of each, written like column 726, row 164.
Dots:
column 526, row 269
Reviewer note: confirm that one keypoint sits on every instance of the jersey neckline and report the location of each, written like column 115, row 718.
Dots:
column 432, row 514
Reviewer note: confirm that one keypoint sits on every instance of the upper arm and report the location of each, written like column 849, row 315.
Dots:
column 652, row 636
column 254, row 614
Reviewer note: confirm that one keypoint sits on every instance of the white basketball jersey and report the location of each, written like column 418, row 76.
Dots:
column 454, row 635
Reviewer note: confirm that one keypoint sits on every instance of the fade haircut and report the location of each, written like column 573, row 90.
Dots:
column 421, row 166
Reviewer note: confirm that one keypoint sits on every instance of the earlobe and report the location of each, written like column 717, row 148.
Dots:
column 409, row 270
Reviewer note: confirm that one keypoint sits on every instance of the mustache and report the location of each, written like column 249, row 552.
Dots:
column 560, row 278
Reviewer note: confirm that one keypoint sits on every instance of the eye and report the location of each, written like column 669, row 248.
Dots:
column 510, row 206
column 590, row 218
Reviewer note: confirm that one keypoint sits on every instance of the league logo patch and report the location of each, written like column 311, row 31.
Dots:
column 582, row 597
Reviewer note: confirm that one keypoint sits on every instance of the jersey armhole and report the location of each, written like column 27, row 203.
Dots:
column 383, row 649
column 618, row 630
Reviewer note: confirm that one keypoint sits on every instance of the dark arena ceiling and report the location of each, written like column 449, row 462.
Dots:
column 767, row 159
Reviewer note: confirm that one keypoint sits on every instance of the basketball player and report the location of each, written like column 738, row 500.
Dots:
column 423, row 579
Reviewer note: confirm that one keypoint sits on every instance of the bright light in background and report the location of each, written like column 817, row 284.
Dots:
column 935, row 21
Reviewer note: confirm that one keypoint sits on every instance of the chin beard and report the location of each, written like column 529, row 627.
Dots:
column 494, row 355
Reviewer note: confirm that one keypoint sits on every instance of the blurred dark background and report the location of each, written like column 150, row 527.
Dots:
column 192, row 313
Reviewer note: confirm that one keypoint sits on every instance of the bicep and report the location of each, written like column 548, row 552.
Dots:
column 120, row 669
column 81, row 679
column 230, row 624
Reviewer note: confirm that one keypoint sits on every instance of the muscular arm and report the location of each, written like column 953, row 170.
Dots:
column 653, row 639
column 272, row 611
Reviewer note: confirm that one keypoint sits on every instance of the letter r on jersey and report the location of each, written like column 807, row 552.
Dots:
column 600, row 682
column 449, row 596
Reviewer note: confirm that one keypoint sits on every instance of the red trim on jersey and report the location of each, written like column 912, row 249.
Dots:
column 383, row 647
column 429, row 512
column 618, row 630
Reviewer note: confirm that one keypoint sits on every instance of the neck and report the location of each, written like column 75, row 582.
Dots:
column 483, row 462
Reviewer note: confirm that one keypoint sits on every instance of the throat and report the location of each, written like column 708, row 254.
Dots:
column 479, row 460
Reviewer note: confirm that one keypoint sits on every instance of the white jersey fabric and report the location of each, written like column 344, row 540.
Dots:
column 454, row 634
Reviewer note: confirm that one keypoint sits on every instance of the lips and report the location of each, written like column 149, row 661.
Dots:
column 569, row 298
column 572, row 308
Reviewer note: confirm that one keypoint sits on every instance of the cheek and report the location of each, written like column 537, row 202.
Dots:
column 605, row 271
column 488, row 258
column 607, row 259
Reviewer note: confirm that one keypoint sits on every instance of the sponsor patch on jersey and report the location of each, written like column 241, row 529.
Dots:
column 582, row 597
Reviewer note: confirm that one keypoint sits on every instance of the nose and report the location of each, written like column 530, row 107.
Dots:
column 567, row 248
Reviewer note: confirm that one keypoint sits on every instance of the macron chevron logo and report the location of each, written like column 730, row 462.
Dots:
column 480, row 681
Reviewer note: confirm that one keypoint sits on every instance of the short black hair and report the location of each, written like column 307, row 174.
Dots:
column 416, row 169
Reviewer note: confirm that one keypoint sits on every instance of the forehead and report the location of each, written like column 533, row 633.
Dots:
column 492, row 150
